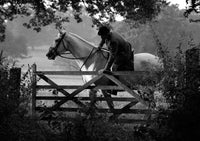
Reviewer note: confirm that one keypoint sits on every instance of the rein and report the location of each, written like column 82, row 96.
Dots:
column 87, row 58
column 72, row 58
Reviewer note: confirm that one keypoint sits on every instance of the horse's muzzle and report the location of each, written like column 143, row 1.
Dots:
column 50, row 56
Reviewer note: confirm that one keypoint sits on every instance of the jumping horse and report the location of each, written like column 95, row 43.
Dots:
column 89, row 58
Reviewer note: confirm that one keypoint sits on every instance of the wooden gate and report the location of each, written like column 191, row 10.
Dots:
column 72, row 96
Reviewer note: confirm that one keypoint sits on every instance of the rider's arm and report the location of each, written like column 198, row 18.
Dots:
column 101, row 43
column 113, row 53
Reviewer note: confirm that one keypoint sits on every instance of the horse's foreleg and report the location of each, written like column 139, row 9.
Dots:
column 108, row 100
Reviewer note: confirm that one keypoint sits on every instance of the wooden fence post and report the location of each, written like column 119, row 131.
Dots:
column 14, row 84
column 3, row 84
column 34, row 82
column 193, row 68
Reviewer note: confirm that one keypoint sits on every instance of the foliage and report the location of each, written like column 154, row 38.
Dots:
column 15, row 122
column 180, row 120
column 170, row 26
column 194, row 7
column 96, row 127
column 46, row 12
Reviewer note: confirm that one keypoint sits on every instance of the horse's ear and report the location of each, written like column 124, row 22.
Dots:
column 62, row 30
column 60, row 34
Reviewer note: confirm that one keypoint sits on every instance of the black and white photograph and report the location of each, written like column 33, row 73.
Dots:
column 99, row 70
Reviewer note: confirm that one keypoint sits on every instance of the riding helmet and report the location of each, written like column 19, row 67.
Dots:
column 103, row 30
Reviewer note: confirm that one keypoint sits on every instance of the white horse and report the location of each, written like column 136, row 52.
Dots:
column 89, row 58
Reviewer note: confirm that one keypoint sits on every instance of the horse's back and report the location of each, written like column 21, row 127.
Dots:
column 144, row 61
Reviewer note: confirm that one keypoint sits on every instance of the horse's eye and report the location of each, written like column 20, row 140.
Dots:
column 51, row 48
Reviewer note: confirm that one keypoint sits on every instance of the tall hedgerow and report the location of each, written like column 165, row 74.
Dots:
column 181, row 119
column 16, row 124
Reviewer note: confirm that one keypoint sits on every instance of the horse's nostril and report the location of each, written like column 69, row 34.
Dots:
column 48, row 55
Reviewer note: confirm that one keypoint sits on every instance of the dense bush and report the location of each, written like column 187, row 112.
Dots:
column 181, row 120
column 15, row 122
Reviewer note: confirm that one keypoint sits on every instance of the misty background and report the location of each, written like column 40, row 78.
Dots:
column 28, row 46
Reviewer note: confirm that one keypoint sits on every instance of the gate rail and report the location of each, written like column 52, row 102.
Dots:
column 89, row 85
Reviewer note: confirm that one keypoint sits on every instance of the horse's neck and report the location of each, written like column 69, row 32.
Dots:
column 77, row 48
column 80, row 49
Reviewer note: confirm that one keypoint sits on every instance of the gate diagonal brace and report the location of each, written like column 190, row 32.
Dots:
column 133, row 93
column 125, row 108
column 75, row 100
column 77, row 91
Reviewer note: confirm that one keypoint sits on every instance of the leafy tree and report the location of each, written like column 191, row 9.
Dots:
column 45, row 12
column 194, row 6
column 170, row 26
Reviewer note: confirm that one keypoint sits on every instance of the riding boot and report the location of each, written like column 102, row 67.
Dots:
column 114, row 92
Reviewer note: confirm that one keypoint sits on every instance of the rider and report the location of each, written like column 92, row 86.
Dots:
column 121, row 57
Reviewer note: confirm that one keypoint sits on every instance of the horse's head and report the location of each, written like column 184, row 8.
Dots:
column 58, row 48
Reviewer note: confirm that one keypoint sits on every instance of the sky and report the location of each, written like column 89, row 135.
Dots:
column 182, row 3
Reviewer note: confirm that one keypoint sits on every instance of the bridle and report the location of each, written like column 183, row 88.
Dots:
column 60, row 55
column 72, row 58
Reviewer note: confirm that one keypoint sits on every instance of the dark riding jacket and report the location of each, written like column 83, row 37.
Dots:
column 120, row 52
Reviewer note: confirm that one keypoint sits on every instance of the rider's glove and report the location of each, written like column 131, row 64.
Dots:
column 99, row 48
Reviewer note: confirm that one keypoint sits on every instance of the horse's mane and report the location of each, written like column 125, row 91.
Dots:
column 77, row 36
